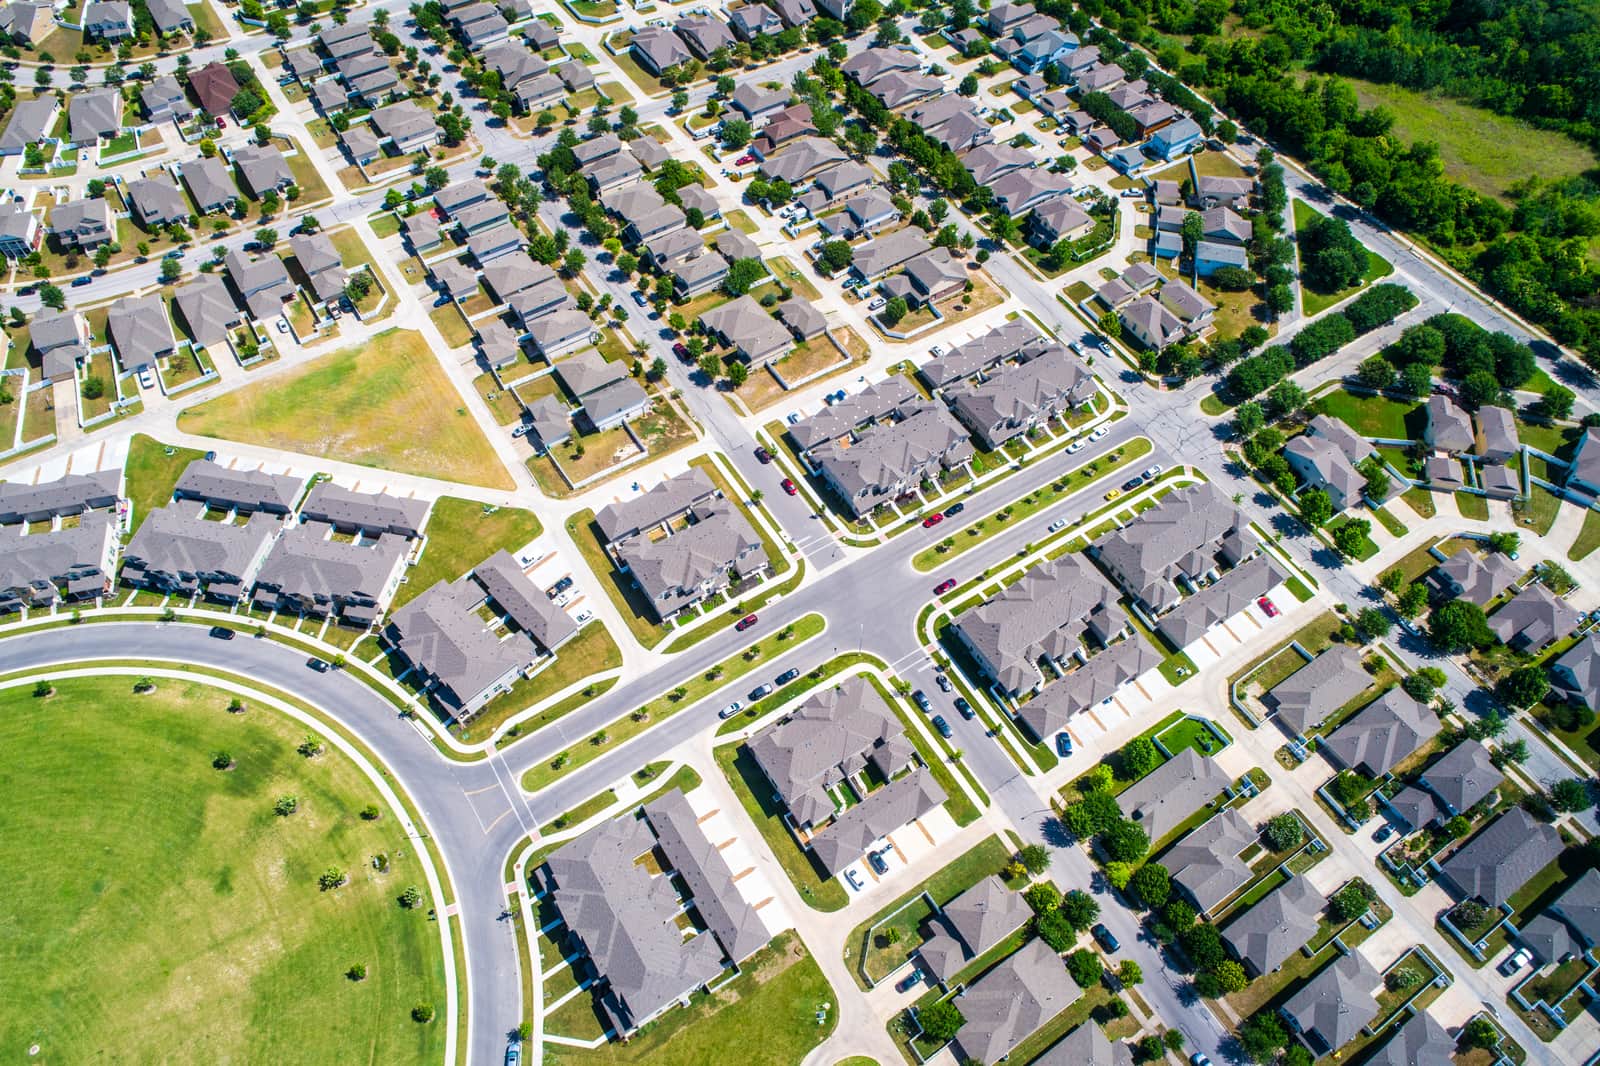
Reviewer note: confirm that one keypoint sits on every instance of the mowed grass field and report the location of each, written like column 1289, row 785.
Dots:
column 460, row 536
column 1480, row 149
column 385, row 404
column 158, row 910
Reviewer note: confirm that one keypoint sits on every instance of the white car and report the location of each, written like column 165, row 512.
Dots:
column 936, row 351
column 1153, row 472
column 583, row 618
column 876, row 303
column 1057, row 526
column 730, row 710
column 147, row 380
column 283, row 325
column 1099, row 431
column 1076, row 446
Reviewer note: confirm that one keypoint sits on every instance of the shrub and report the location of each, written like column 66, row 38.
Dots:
column 1054, row 929
column 1043, row 897
column 1350, row 902
column 1036, row 857
column 1139, row 757
column 411, row 898
column 358, row 972
column 1284, row 831
column 1125, row 841
column 422, row 1013
column 285, row 806
column 941, row 1020
column 1152, row 884
column 1085, row 967
column 330, row 878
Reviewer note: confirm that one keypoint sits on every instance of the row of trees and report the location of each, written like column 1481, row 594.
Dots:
column 1377, row 306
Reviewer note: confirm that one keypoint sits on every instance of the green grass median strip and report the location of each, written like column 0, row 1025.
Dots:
column 625, row 728
column 977, row 532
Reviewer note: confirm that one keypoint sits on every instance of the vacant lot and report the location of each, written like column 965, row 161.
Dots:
column 462, row 534
column 1480, row 149
column 152, row 472
column 386, row 404
column 202, row 936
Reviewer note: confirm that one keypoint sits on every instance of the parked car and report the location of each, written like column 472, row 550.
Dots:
column 78, row 283
column 877, row 302
column 638, row 298
column 1104, row 938
column 1076, row 446
column 760, row 691
column 1151, row 473
column 932, row 520
column 1269, row 608
column 875, row 859
column 854, row 879
column 1057, row 526
column 222, row 123
column 1132, row 483
column 147, row 380
column 318, row 665
column 942, row 726
column 681, row 350
column 944, row 586
column 964, row 708
column 788, row 487
column 763, row 456
column 1099, row 431
column 1199, row 1058
column 513, row 1055
column 909, row 981
column 944, row 683
column 283, row 325
column 730, row 710
column 936, row 351
column 1113, row 494
column 954, row 509
column 920, row 698
column 1515, row 962
column 745, row 623
column 1385, row 831
column 222, row 632
column 744, row 160
column 1063, row 744
column 786, row 677
column 520, row 430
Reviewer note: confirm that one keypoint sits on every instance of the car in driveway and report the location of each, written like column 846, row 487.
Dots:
column 942, row 726
column 920, row 698
column 1063, row 744
column 222, row 632
column 964, row 708
column 944, row 586
column 877, row 302
column 1105, row 938
column 853, row 879
column 744, row 160
column 730, row 710
column 786, row 677
column 1268, row 608
column 875, row 860
column 909, row 981
column 763, row 456
column 932, row 520
column 745, row 623
column 788, row 487
column 1385, row 831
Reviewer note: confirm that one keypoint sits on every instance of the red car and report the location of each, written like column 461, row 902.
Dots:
column 788, row 486
column 944, row 586
column 763, row 456
column 681, row 351
column 744, row 160
column 932, row 520
column 1268, row 606
column 222, row 123
column 745, row 623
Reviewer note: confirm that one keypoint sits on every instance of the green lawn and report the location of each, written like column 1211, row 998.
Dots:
column 619, row 587
column 1373, row 416
column 590, row 652
column 1482, row 150
column 819, row 891
column 1471, row 505
column 1588, row 538
column 385, row 404
column 768, row 1013
column 152, row 473
column 1314, row 302
column 460, row 536
column 201, row 936
column 1540, row 512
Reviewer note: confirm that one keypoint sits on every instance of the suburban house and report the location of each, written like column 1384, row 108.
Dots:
column 95, row 114
column 829, row 740
column 1185, row 538
column 703, row 35
column 263, row 283
column 1011, row 1002
column 1014, row 340
column 1267, row 934
column 681, row 542
column 606, row 394
column 1533, row 619
column 874, row 465
column 310, row 573
column 1419, row 1041
column 206, row 309
column 1569, row 925
column 1308, row 696
column 1017, row 397
column 755, row 336
column 623, row 912
column 214, row 88
column 1164, row 798
column 1476, row 578
column 970, row 925
column 83, row 224
column 458, row 655
column 871, row 64
column 155, row 202
column 1020, row 191
column 317, row 261
column 163, row 98
column 1175, row 138
column 1205, row 863
column 209, row 184
column 1449, row 428
column 989, row 161
column 1060, row 219
column 755, row 20
column 1497, row 434
column 227, row 490
column 656, row 48
column 30, row 123
column 1325, row 457
column 1503, row 857
column 406, row 126
column 1584, row 473
column 62, row 340
column 177, row 551
column 1048, row 615
column 27, row 22
column 1332, row 1008
column 263, row 168
column 1455, row 783
column 1576, row 674
column 107, row 20
column 140, row 331
column 1005, row 17
column 898, row 89
column 1233, row 592
column 1088, row 686
column 1382, row 734
column 753, row 101
column 169, row 16
column 68, row 561
column 879, row 257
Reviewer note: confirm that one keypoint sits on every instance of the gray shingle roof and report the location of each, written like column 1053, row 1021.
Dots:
column 1533, row 618
column 891, row 454
column 69, row 494
column 748, row 327
column 208, row 183
column 181, row 549
column 1338, row 1002
column 29, row 122
column 1100, row 679
column 35, row 568
column 1502, row 858
column 673, row 569
column 1087, row 1045
column 53, row 329
column 1266, row 934
column 1383, row 733
column 97, row 113
column 1577, row 671
column 1221, row 600
column 821, row 743
column 1421, row 1041
column 139, row 329
column 1477, row 578
column 1010, row 1002
column 972, row 923
column 1173, row 791
column 1313, row 692
column 1463, row 776
column 374, row 512
column 700, row 863
column 207, row 308
column 262, row 166
column 503, row 579
column 1450, row 426
column 156, row 200
column 1014, row 339
column 244, row 490
column 1206, row 861
column 802, row 158
column 442, row 636
column 665, row 500
column 1180, row 537
column 857, row 409
column 850, row 834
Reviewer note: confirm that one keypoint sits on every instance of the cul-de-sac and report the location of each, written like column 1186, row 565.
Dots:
column 800, row 532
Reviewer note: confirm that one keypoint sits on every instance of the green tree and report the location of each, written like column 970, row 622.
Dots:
column 1085, row 967
column 1480, row 1033
column 1262, row 1036
column 837, row 254
column 1315, row 507
column 1138, row 757
column 1043, row 897
column 1129, row 973
column 1411, row 601
column 1351, row 538
column 1458, row 625
column 1230, row 976
column 1350, row 902
column 941, row 1020
column 1054, row 929
column 1284, row 831
column 1152, row 883
column 1248, row 418
column 1372, row 623
column 743, row 275
column 1036, row 857
column 1125, row 841
column 1525, row 686
column 285, row 806
column 1079, row 909
column 1376, row 372
column 738, row 373
column 1571, row 795
column 894, row 311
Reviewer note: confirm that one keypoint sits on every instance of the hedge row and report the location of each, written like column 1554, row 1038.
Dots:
column 1376, row 307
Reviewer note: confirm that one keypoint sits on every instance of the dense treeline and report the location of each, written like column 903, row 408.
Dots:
column 1378, row 306
column 1537, row 59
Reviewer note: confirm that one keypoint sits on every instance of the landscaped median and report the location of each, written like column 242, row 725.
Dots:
column 976, row 533
column 621, row 730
